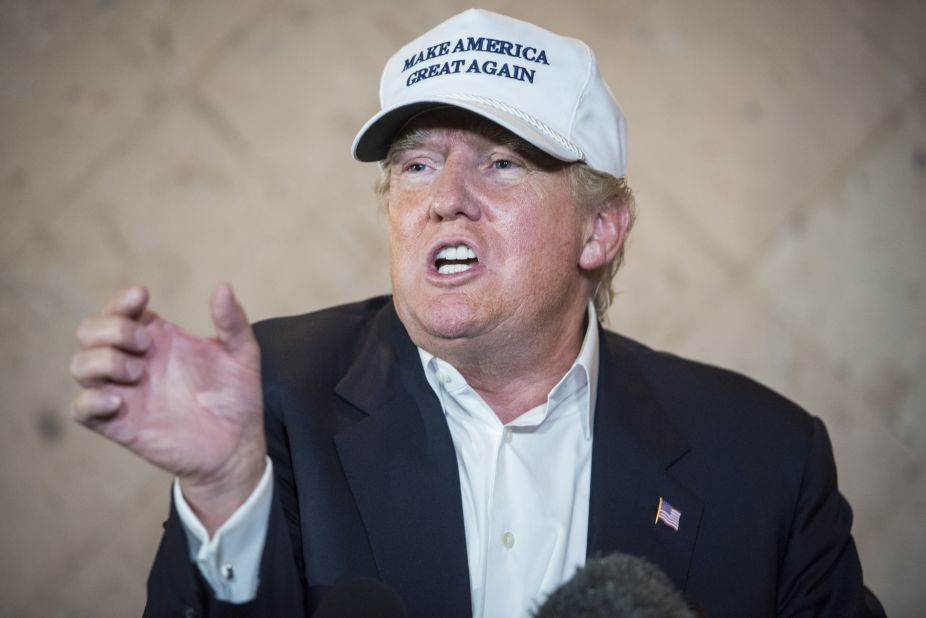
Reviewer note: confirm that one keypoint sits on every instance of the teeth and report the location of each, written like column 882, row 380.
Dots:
column 455, row 259
column 459, row 252
column 449, row 269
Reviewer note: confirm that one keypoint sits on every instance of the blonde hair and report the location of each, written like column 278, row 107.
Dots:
column 591, row 189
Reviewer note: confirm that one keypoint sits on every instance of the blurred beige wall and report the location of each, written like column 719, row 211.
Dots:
column 777, row 149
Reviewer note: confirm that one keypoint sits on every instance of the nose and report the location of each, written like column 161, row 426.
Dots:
column 452, row 195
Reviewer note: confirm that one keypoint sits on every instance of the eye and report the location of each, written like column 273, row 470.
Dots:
column 413, row 167
column 503, row 164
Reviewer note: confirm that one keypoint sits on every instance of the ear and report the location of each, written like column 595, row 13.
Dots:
column 606, row 236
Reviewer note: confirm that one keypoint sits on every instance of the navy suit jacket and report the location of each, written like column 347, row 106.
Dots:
column 366, row 481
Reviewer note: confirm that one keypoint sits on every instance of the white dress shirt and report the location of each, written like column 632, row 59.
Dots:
column 230, row 560
column 524, row 488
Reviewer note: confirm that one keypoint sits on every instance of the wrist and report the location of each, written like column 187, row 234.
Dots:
column 215, row 497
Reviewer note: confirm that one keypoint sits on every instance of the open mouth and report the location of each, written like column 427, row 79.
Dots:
column 455, row 259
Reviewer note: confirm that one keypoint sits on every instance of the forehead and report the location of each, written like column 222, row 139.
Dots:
column 426, row 126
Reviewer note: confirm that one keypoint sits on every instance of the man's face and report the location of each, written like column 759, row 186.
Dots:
column 485, row 239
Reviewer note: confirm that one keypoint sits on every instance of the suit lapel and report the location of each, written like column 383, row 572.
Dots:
column 634, row 449
column 401, row 466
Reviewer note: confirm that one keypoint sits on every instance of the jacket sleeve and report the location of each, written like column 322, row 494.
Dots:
column 176, row 588
column 820, row 573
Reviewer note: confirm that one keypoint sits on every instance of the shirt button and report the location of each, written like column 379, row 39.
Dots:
column 508, row 540
column 227, row 571
column 442, row 376
column 508, row 434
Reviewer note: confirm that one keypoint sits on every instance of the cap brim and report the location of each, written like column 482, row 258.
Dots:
column 375, row 137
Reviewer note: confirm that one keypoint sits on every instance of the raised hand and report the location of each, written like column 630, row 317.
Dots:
column 187, row 404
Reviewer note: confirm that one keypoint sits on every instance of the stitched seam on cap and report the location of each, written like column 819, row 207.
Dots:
column 537, row 124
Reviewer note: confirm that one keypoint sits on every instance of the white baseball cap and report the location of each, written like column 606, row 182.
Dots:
column 541, row 86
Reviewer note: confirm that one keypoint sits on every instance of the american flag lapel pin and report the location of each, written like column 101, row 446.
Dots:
column 667, row 514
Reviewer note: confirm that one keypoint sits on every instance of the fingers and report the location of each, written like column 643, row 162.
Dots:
column 231, row 323
column 110, row 342
column 97, row 366
column 113, row 330
column 129, row 302
column 94, row 405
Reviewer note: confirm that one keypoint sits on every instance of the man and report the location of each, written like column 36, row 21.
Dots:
column 472, row 439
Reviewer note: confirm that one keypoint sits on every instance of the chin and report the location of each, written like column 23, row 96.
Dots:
column 438, row 319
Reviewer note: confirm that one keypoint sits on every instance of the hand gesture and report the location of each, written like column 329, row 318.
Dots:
column 187, row 404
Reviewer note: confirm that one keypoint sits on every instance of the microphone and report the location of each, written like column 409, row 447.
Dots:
column 361, row 597
column 616, row 586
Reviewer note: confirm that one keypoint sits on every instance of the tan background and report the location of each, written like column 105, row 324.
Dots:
column 778, row 152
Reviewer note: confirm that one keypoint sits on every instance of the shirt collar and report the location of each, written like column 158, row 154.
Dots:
column 584, row 370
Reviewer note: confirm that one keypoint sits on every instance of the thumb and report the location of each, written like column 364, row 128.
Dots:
column 231, row 324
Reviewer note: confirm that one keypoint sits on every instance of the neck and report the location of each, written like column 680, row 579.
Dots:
column 516, row 376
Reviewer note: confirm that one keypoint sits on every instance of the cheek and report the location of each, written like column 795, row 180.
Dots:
column 544, row 230
column 399, row 252
column 405, row 251
column 402, row 229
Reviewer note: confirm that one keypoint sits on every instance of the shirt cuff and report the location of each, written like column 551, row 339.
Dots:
column 230, row 560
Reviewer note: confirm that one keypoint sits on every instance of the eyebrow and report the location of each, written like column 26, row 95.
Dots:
column 408, row 140
column 415, row 137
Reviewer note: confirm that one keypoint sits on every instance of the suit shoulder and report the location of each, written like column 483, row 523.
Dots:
column 330, row 322
column 324, row 338
column 710, row 395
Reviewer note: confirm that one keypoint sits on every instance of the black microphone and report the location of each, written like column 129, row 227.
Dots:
column 361, row 597
column 616, row 586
